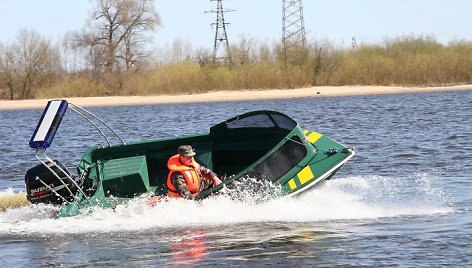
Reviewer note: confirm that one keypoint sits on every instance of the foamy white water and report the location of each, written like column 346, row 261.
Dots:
column 350, row 198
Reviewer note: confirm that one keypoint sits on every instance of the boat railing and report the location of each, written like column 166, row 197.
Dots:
column 44, row 135
column 90, row 117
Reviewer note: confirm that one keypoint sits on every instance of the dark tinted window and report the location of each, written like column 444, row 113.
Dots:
column 281, row 161
column 284, row 122
column 259, row 120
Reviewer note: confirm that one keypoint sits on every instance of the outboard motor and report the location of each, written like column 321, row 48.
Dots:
column 37, row 192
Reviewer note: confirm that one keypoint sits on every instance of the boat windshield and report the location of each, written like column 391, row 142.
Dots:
column 258, row 119
column 281, row 161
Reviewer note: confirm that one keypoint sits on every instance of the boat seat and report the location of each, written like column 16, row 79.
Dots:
column 157, row 165
column 125, row 177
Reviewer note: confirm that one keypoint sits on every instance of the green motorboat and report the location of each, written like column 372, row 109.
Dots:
column 263, row 145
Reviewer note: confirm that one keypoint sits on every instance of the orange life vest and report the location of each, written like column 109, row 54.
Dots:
column 190, row 173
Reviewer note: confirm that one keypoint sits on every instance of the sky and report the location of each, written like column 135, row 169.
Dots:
column 368, row 21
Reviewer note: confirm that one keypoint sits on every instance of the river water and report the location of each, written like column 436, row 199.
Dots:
column 403, row 200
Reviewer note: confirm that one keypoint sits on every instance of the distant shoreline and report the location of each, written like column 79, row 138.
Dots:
column 239, row 95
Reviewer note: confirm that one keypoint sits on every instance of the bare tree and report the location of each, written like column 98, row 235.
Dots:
column 74, row 58
column 323, row 63
column 117, row 33
column 203, row 57
column 7, row 68
column 27, row 64
column 177, row 51
column 244, row 52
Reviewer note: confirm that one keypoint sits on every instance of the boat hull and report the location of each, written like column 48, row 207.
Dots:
column 262, row 145
column 121, row 177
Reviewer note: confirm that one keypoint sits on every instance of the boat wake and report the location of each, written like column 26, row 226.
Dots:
column 348, row 198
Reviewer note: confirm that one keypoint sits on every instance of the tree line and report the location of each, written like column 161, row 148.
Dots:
column 111, row 55
column 112, row 42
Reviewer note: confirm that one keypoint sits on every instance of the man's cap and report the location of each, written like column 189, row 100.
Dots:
column 186, row 150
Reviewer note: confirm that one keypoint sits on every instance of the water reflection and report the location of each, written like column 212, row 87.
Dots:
column 191, row 249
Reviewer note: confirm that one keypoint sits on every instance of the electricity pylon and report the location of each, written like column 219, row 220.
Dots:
column 221, row 37
column 293, row 26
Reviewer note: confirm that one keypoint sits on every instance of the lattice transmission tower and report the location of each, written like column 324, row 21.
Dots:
column 221, row 50
column 293, row 26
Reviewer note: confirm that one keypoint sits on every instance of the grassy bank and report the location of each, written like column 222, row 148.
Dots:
column 408, row 61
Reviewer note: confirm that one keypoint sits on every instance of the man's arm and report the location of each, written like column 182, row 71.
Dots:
column 210, row 175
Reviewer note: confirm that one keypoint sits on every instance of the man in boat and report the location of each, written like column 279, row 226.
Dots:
column 186, row 177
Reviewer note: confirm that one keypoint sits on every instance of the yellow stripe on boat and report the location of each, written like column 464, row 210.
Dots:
column 313, row 137
column 292, row 184
column 305, row 175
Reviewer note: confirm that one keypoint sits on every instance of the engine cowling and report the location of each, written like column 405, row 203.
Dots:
column 37, row 192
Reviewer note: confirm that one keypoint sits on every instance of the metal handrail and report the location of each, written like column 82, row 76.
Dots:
column 76, row 109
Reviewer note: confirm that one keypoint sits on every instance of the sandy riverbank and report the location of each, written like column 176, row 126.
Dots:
column 221, row 96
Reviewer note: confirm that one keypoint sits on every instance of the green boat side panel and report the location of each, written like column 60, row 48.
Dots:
column 76, row 208
column 125, row 177
column 69, row 210
column 325, row 163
